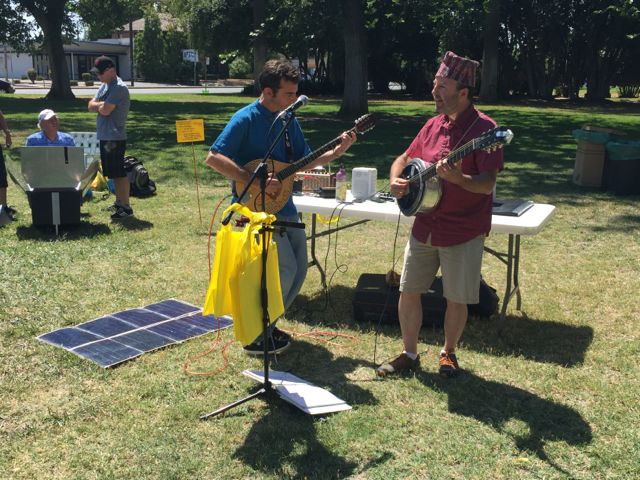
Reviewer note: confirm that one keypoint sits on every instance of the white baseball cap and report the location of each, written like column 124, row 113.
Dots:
column 45, row 114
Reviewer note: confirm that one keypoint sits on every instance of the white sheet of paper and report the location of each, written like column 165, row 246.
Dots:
column 300, row 393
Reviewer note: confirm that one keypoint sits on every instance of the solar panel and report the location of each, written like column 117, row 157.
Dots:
column 121, row 336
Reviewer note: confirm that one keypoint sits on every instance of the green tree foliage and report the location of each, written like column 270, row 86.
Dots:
column 106, row 16
column 216, row 26
column 538, row 47
column 150, row 49
column 53, row 18
column 15, row 29
column 158, row 54
column 612, row 29
column 402, row 46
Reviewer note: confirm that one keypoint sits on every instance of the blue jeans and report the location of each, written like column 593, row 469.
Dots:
column 292, row 259
column 292, row 262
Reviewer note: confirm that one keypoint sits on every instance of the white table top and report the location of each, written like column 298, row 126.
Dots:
column 529, row 223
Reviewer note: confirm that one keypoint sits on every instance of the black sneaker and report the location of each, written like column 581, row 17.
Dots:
column 111, row 208
column 11, row 211
column 122, row 213
column 280, row 335
column 275, row 346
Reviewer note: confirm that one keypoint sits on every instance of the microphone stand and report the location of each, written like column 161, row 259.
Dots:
column 261, row 173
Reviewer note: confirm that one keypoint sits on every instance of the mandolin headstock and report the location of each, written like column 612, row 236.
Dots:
column 364, row 124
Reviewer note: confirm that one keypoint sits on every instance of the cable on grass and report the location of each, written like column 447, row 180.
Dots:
column 394, row 261
column 343, row 267
column 318, row 334
column 187, row 363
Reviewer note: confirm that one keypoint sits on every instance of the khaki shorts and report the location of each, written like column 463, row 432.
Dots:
column 460, row 265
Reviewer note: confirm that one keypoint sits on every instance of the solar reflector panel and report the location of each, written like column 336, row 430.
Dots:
column 115, row 338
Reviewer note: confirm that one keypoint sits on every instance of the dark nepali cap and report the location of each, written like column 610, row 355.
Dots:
column 460, row 69
column 101, row 64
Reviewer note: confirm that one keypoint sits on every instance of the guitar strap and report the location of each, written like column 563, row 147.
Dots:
column 288, row 148
column 465, row 133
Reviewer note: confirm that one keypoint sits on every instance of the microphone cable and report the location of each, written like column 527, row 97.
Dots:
column 190, row 359
column 342, row 268
column 394, row 261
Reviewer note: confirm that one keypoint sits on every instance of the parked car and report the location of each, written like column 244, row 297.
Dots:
column 6, row 87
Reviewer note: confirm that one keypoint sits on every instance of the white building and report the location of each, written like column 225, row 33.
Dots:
column 80, row 56
column 12, row 63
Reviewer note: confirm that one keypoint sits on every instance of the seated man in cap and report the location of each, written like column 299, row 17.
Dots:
column 49, row 135
column 450, row 236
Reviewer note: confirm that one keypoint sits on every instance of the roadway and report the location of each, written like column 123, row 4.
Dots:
column 139, row 88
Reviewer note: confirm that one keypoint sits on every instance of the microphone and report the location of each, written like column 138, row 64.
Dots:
column 300, row 102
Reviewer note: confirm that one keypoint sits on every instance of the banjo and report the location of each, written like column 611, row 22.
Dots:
column 284, row 171
column 425, row 188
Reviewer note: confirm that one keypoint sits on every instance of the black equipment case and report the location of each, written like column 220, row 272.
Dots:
column 55, row 206
column 375, row 301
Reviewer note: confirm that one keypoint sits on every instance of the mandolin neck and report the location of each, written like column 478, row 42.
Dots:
column 304, row 161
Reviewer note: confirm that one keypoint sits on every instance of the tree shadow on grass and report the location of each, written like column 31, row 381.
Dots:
column 628, row 223
column 284, row 443
column 544, row 341
column 495, row 404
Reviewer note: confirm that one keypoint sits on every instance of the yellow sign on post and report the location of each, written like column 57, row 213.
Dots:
column 190, row 130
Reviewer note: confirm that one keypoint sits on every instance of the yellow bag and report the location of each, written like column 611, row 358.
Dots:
column 234, row 288
column 99, row 182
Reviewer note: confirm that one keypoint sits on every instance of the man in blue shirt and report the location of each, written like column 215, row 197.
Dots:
column 49, row 136
column 247, row 137
column 111, row 103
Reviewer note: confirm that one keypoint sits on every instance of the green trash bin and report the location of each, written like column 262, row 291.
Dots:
column 622, row 168
column 589, row 163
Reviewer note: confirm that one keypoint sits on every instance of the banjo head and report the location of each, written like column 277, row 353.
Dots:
column 423, row 194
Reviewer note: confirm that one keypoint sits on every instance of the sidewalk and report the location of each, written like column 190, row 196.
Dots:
column 230, row 82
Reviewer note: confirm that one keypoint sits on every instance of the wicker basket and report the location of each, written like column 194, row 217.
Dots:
column 312, row 181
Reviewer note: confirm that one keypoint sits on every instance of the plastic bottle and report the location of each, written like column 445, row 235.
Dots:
column 341, row 184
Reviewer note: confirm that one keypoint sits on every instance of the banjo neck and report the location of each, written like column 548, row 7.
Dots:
column 451, row 159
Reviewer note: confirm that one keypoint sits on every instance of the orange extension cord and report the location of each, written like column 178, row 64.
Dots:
column 318, row 334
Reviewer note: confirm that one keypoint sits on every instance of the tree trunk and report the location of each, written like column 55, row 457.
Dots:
column 531, row 81
column 354, row 99
column 50, row 18
column 489, row 81
column 259, row 43
column 597, row 81
column 60, row 86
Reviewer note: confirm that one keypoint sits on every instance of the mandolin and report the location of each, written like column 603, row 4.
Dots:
column 284, row 171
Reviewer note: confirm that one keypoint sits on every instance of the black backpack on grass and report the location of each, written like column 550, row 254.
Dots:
column 141, row 184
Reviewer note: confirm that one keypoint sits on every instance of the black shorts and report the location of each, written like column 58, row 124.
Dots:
column 3, row 171
column 112, row 158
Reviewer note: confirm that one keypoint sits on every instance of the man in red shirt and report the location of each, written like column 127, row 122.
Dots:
column 451, row 235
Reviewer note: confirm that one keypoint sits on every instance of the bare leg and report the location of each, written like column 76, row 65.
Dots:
column 410, row 315
column 122, row 190
column 455, row 320
column 3, row 196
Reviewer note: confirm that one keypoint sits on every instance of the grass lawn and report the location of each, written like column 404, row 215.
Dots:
column 551, row 394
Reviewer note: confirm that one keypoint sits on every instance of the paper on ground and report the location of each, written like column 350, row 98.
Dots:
column 300, row 393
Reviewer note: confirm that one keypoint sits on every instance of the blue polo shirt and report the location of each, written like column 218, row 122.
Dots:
column 247, row 137
column 39, row 139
